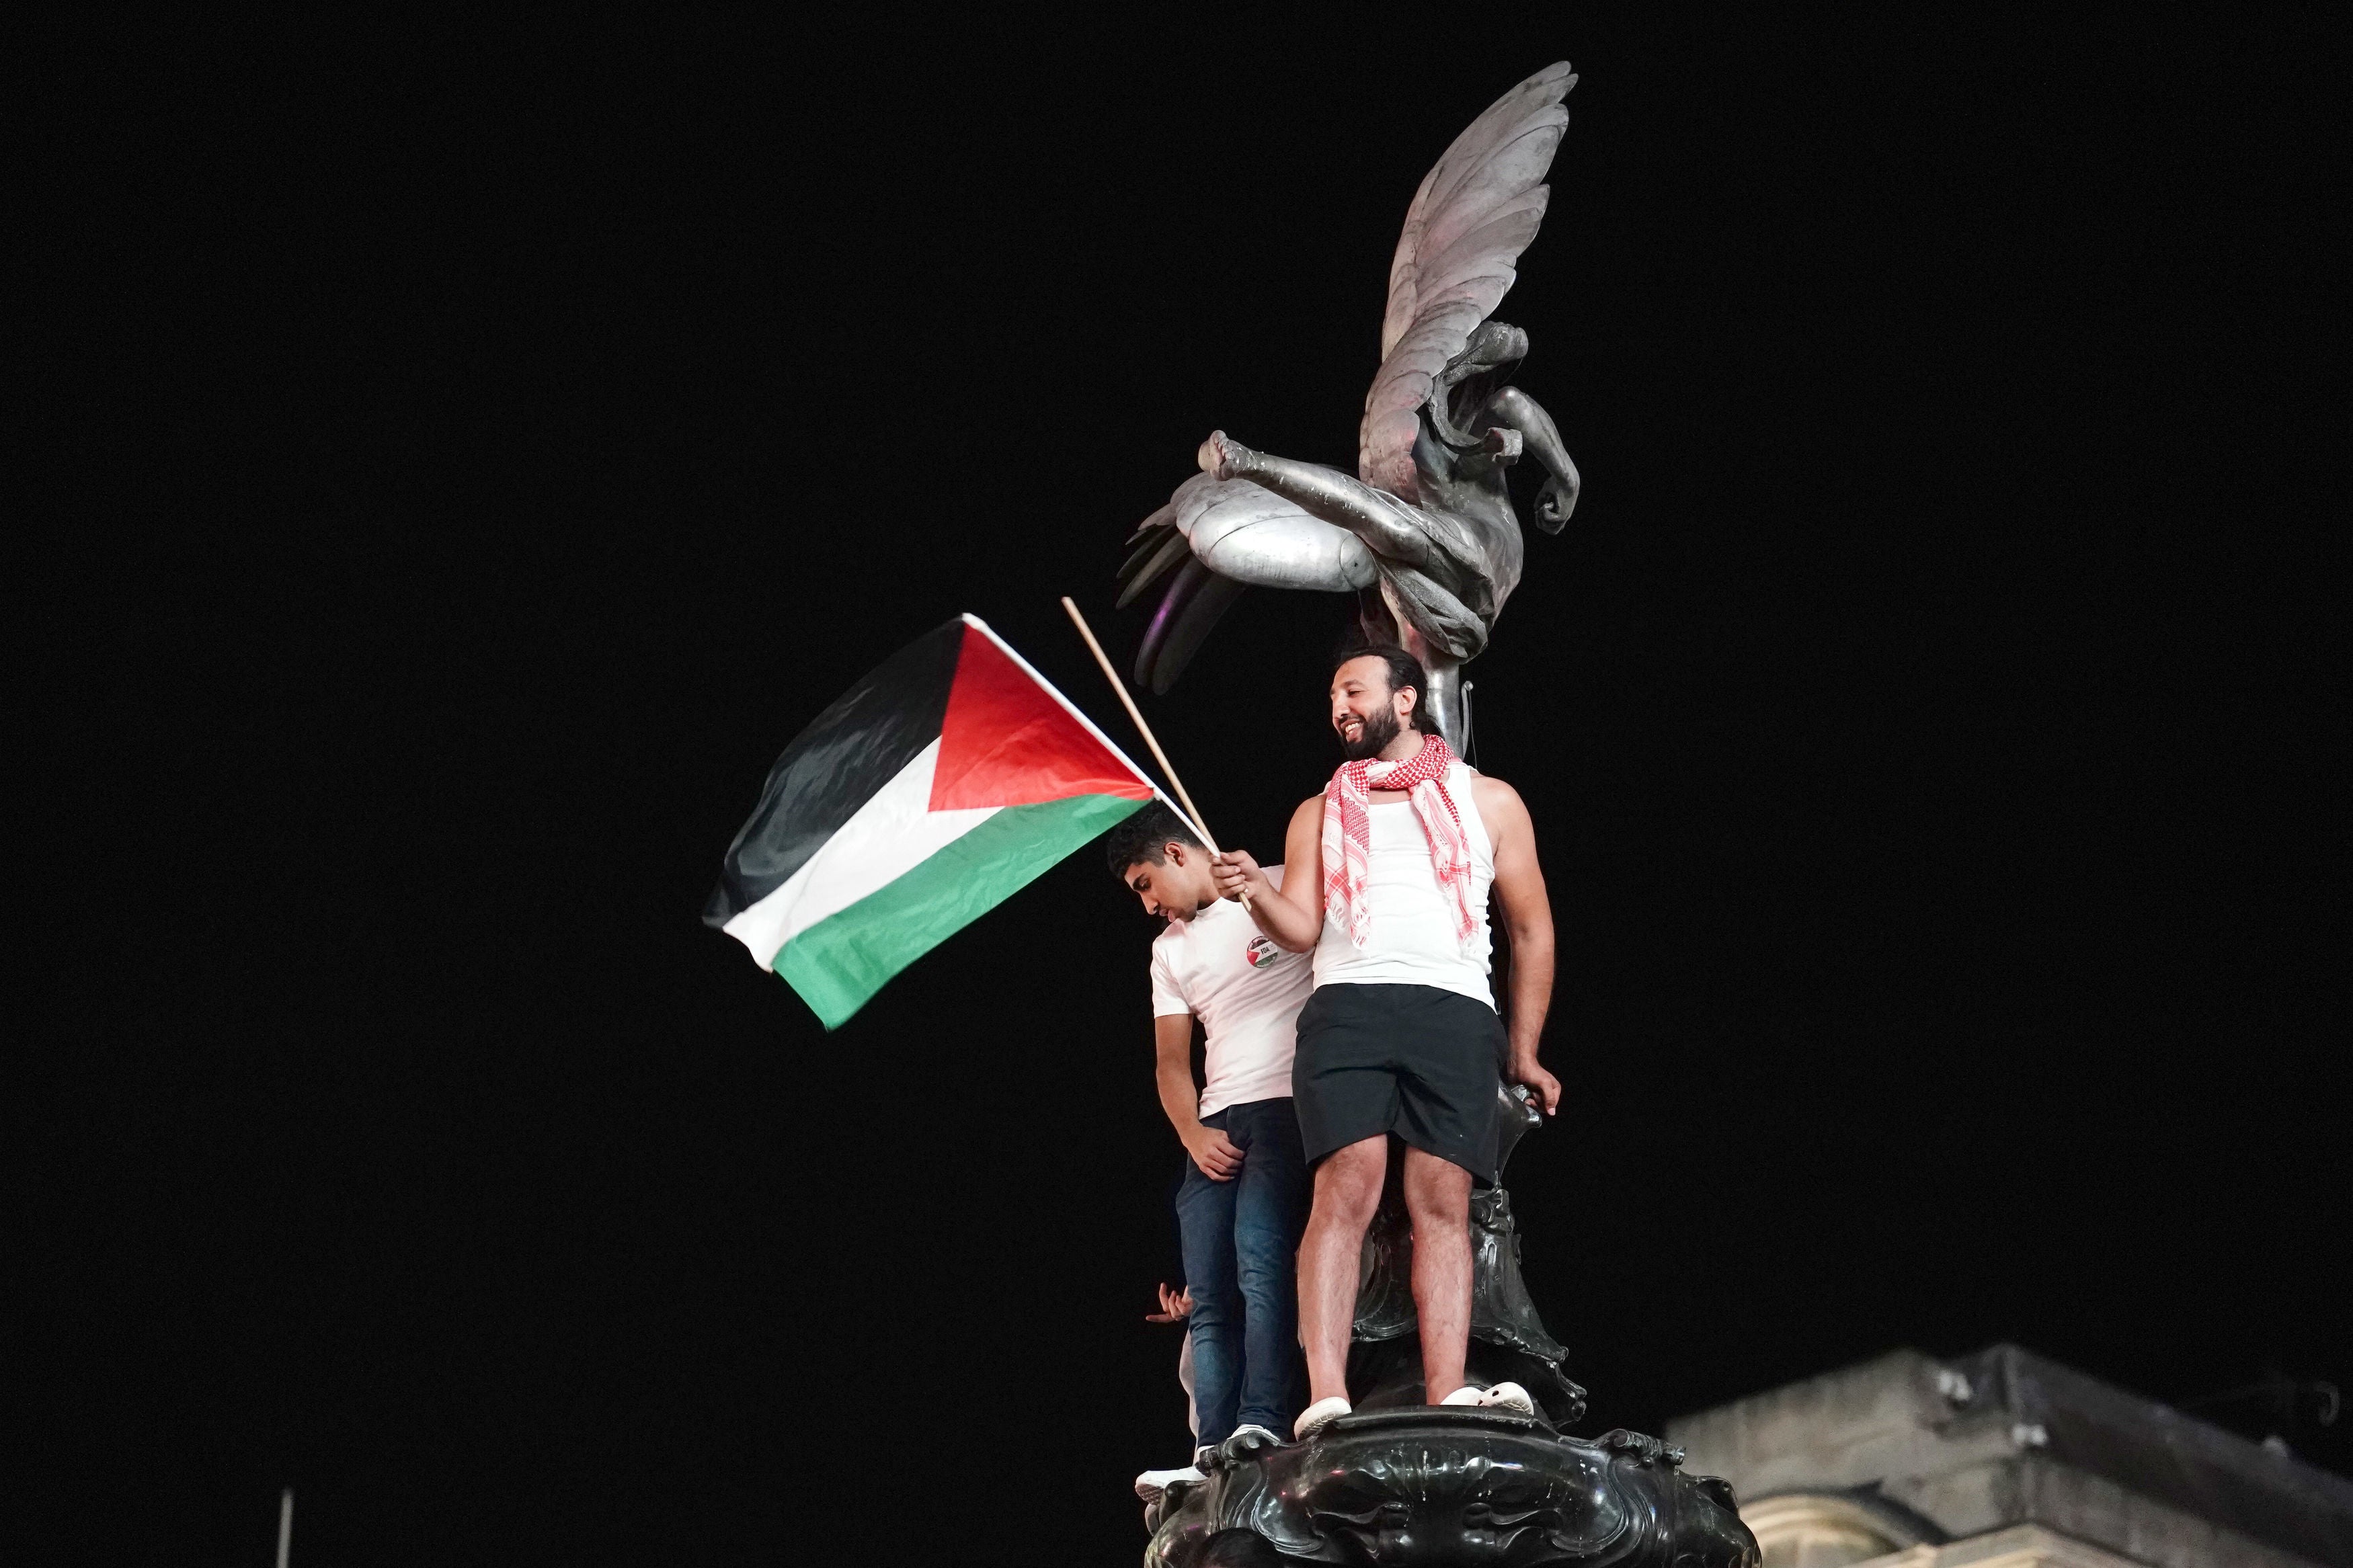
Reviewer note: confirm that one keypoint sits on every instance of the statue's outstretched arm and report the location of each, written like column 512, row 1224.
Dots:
column 1540, row 439
column 1328, row 493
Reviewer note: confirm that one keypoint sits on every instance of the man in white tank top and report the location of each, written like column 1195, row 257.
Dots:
column 1390, row 873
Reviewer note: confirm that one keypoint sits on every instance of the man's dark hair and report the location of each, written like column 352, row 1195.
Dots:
column 1404, row 671
column 1143, row 839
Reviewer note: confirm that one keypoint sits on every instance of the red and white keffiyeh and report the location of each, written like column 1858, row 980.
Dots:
column 1348, row 834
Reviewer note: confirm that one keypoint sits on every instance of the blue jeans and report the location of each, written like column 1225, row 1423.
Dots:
column 1241, row 1248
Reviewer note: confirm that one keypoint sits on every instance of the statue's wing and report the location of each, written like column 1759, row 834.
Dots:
column 1196, row 602
column 1474, row 215
column 1215, row 537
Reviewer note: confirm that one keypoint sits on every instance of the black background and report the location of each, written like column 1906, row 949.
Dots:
column 484, row 447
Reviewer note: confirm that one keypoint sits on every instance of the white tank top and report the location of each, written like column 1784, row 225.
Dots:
column 1412, row 938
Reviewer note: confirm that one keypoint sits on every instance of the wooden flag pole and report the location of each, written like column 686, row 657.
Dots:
column 1144, row 730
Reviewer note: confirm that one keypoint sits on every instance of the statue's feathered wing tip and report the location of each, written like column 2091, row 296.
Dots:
column 1476, row 210
column 1193, row 605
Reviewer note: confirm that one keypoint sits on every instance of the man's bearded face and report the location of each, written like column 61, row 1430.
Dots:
column 1366, row 737
column 1364, row 709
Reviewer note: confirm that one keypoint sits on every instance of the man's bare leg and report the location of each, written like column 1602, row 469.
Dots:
column 1347, row 1191
column 1438, row 1196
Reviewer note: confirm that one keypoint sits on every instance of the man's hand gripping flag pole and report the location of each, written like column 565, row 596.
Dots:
column 1120, row 687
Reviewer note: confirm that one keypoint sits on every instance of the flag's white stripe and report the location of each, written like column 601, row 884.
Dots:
column 890, row 835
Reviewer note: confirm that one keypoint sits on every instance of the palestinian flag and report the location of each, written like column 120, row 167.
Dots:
column 932, row 792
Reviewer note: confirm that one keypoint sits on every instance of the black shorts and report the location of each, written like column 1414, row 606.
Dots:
column 1414, row 1060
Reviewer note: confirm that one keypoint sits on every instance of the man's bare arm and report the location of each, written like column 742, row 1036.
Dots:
column 1172, row 1043
column 1293, row 914
column 1527, row 915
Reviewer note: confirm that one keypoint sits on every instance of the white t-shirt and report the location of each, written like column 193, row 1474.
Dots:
column 1412, row 941
column 1247, row 992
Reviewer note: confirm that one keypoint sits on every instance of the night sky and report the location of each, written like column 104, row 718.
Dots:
column 483, row 448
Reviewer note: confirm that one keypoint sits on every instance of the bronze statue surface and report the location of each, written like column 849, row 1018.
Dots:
column 1425, row 532
column 1427, row 1488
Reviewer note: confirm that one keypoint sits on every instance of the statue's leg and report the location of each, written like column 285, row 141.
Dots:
column 1446, row 700
column 1437, row 1199
column 1381, row 521
column 1444, row 697
column 1347, row 1191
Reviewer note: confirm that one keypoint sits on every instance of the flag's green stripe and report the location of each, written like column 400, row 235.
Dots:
column 840, row 963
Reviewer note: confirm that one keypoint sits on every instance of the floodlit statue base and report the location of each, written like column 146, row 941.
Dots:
column 1427, row 1486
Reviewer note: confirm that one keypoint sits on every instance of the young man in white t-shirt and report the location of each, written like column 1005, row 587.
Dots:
column 1245, row 1194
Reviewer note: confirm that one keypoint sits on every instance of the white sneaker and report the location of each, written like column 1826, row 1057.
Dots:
column 1318, row 1415
column 1151, row 1483
column 1508, row 1397
column 1260, row 1437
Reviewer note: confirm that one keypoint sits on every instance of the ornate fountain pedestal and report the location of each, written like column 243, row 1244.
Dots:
column 1427, row 1486
column 1401, row 1483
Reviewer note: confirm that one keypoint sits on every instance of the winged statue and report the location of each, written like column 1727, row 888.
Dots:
column 1425, row 533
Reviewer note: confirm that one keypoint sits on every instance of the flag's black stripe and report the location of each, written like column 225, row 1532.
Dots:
column 834, row 767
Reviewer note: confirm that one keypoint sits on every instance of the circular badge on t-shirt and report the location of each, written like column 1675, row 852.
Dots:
column 1261, row 951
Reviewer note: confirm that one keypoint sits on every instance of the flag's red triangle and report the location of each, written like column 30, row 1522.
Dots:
column 1006, row 741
